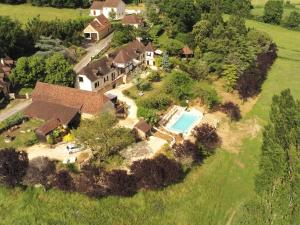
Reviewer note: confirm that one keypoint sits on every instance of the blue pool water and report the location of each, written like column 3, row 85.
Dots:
column 184, row 122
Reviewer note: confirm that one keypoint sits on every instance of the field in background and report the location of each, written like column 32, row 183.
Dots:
column 210, row 194
column 262, row 2
column 23, row 12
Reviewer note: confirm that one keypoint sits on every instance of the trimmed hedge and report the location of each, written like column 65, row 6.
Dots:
column 11, row 121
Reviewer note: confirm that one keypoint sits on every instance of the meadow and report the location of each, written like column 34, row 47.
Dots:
column 23, row 12
column 212, row 193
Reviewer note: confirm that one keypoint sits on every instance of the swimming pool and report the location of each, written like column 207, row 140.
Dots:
column 185, row 122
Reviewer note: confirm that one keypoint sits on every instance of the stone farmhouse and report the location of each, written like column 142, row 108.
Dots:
column 107, row 8
column 114, row 68
column 99, row 28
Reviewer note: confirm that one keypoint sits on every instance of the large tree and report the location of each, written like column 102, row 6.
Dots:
column 14, row 41
column 273, row 11
column 278, row 181
column 102, row 136
column 13, row 166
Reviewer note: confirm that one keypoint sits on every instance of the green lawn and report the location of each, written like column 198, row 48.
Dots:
column 23, row 12
column 211, row 193
column 262, row 2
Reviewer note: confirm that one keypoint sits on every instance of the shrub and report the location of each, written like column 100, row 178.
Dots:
column 293, row 20
column 273, row 11
column 150, row 115
column 232, row 110
column 154, row 77
column 68, row 138
column 155, row 101
column 63, row 181
column 11, row 121
column 143, row 86
column 13, row 166
column 31, row 141
column 156, row 173
column 120, row 183
column 207, row 94
column 207, row 136
column 187, row 153
column 38, row 172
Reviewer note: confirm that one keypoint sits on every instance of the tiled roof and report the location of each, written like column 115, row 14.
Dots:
column 132, row 19
column 122, row 57
column 186, row 50
column 143, row 126
column 149, row 47
column 112, row 3
column 49, row 126
column 48, row 111
column 100, row 23
column 97, row 5
column 96, row 69
column 88, row 102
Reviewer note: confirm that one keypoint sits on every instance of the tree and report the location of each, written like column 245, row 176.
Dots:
column 237, row 7
column 187, row 152
column 63, row 181
column 39, row 170
column 112, row 14
column 13, row 166
column 230, row 75
column 277, row 183
column 232, row 110
column 122, row 35
column 59, row 71
column 273, row 11
column 156, row 173
column 166, row 62
column 293, row 20
column 14, row 41
column 120, row 183
column 101, row 135
column 207, row 136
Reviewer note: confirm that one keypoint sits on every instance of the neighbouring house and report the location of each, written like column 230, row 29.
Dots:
column 99, row 28
column 133, row 20
column 112, row 9
column 143, row 129
column 187, row 52
column 61, row 106
column 6, row 65
column 113, row 69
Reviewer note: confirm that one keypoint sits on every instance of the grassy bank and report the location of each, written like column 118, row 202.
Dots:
column 23, row 12
column 210, row 194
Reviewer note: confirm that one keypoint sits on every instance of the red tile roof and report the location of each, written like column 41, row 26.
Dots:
column 112, row 3
column 97, row 5
column 132, row 19
column 49, row 126
column 143, row 126
column 100, row 23
column 88, row 102
column 149, row 47
column 187, row 51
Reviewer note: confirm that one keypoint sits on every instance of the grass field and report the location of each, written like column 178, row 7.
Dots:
column 262, row 2
column 211, row 193
column 23, row 12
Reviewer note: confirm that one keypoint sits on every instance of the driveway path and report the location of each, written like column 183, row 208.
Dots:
column 5, row 113
column 131, row 119
column 92, row 51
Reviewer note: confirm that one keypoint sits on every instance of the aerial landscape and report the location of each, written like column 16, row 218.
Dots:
column 150, row 112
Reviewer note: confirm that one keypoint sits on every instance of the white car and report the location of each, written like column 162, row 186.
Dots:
column 73, row 148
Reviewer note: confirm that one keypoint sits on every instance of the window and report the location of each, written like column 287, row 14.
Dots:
column 94, row 12
column 149, row 54
column 113, row 76
column 80, row 79
column 97, row 84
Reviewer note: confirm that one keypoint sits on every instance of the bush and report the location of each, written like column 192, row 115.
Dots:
column 232, row 110
column 155, row 101
column 207, row 136
column 273, row 11
column 154, row 77
column 31, row 141
column 38, row 172
column 292, row 21
column 63, row 181
column 143, row 86
column 156, row 173
column 207, row 94
column 120, row 183
column 187, row 153
column 150, row 115
column 11, row 121
column 13, row 166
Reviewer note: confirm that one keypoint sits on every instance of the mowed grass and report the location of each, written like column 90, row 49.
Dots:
column 262, row 2
column 23, row 12
column 211, row 193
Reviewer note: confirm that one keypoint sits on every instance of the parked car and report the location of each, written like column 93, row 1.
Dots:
column 73, row 148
